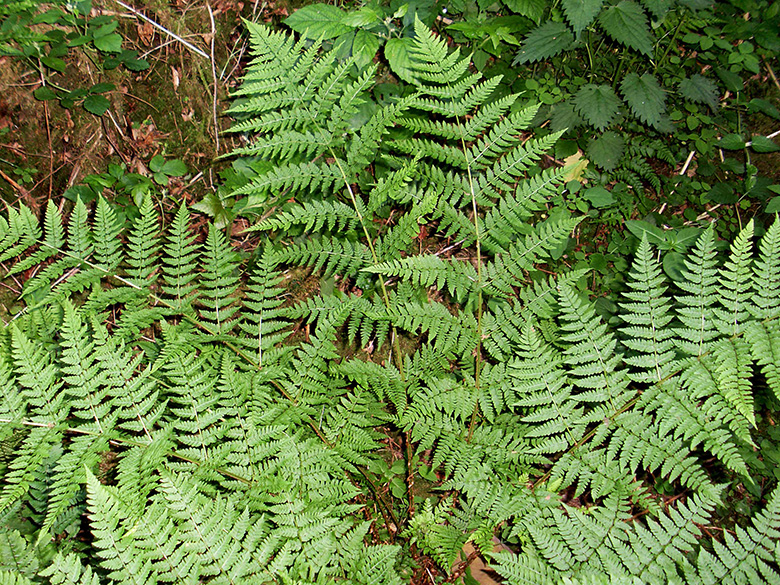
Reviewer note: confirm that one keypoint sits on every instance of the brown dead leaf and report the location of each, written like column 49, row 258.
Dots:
column 146, row 33
column 176, row 78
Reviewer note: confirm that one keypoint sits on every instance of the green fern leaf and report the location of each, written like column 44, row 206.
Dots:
column 648, row 316
column 68, row 570
column 747, row 556
column 645, row 97
column 766, row 279
column 695, row 309
column 626, row 22
column 764, row 340
column 120, row 557
column 735, row 279
column 181, row 253
column 597, row 104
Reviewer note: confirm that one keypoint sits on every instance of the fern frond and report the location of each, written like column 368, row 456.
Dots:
column 647, row 318
column 332, row 255
column 746, row 557
column 695, row 309
column 766, row 275
column 180, row 256
column 735, row 279
column 219, row 282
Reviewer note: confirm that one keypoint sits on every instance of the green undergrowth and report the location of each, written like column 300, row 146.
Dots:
column 170, row 415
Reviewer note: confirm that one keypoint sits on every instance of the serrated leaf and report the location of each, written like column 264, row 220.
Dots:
column 580, row 13
column 698, row 88
column 563, row 116
column 544, row 42
column 532, row 9
column 597, row 104
column 645, row 97
column 658, row 7
column 627, row 23
column 364, row 48
column 397, row 55
column 606, row 150
column 763, row 144
column 732, row 142
column 318, row 21
column 96, row 104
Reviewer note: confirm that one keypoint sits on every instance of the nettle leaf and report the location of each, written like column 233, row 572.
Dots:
column 533, row 9
column 606, row 150
column 698, row 88
column 597, row 104
column 627, row 23
column 544, row 42
column 580, row 13
column 318, row 21
column 658, row 7
column 645, row 97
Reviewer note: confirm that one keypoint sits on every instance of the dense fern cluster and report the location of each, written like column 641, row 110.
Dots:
column 160, row 423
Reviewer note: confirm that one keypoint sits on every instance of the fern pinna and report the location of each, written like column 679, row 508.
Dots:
column 161, row 422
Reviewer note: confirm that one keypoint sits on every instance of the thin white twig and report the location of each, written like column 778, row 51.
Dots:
column 214, row 77
column 190, row 46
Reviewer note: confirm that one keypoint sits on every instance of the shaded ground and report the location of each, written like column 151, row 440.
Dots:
column 173, row 108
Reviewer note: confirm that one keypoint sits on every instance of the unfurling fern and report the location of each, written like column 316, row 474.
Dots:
column 170, row 416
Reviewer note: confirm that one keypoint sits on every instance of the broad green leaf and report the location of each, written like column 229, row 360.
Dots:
column 563, row 116
column 102, row 88
column 45, row 94
column 362, row 17
column 364, row 48
column 731, row 80
column 763, row 144
column 645, row 97
column 580, row 13
column 156, row 164
column 597, row 104
column 732, row 142
column 174, row 168
column 627, row 23
column 544, row 42
column 96, row 104
column 318, row 21
column 773, row 206
column 698, row 88
column 397, row 55
column 109, row 44
column 54, row 63
column 606, row 150
column 598, row 196
column 639, row 228
column 658, row 7
column 533, row 9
